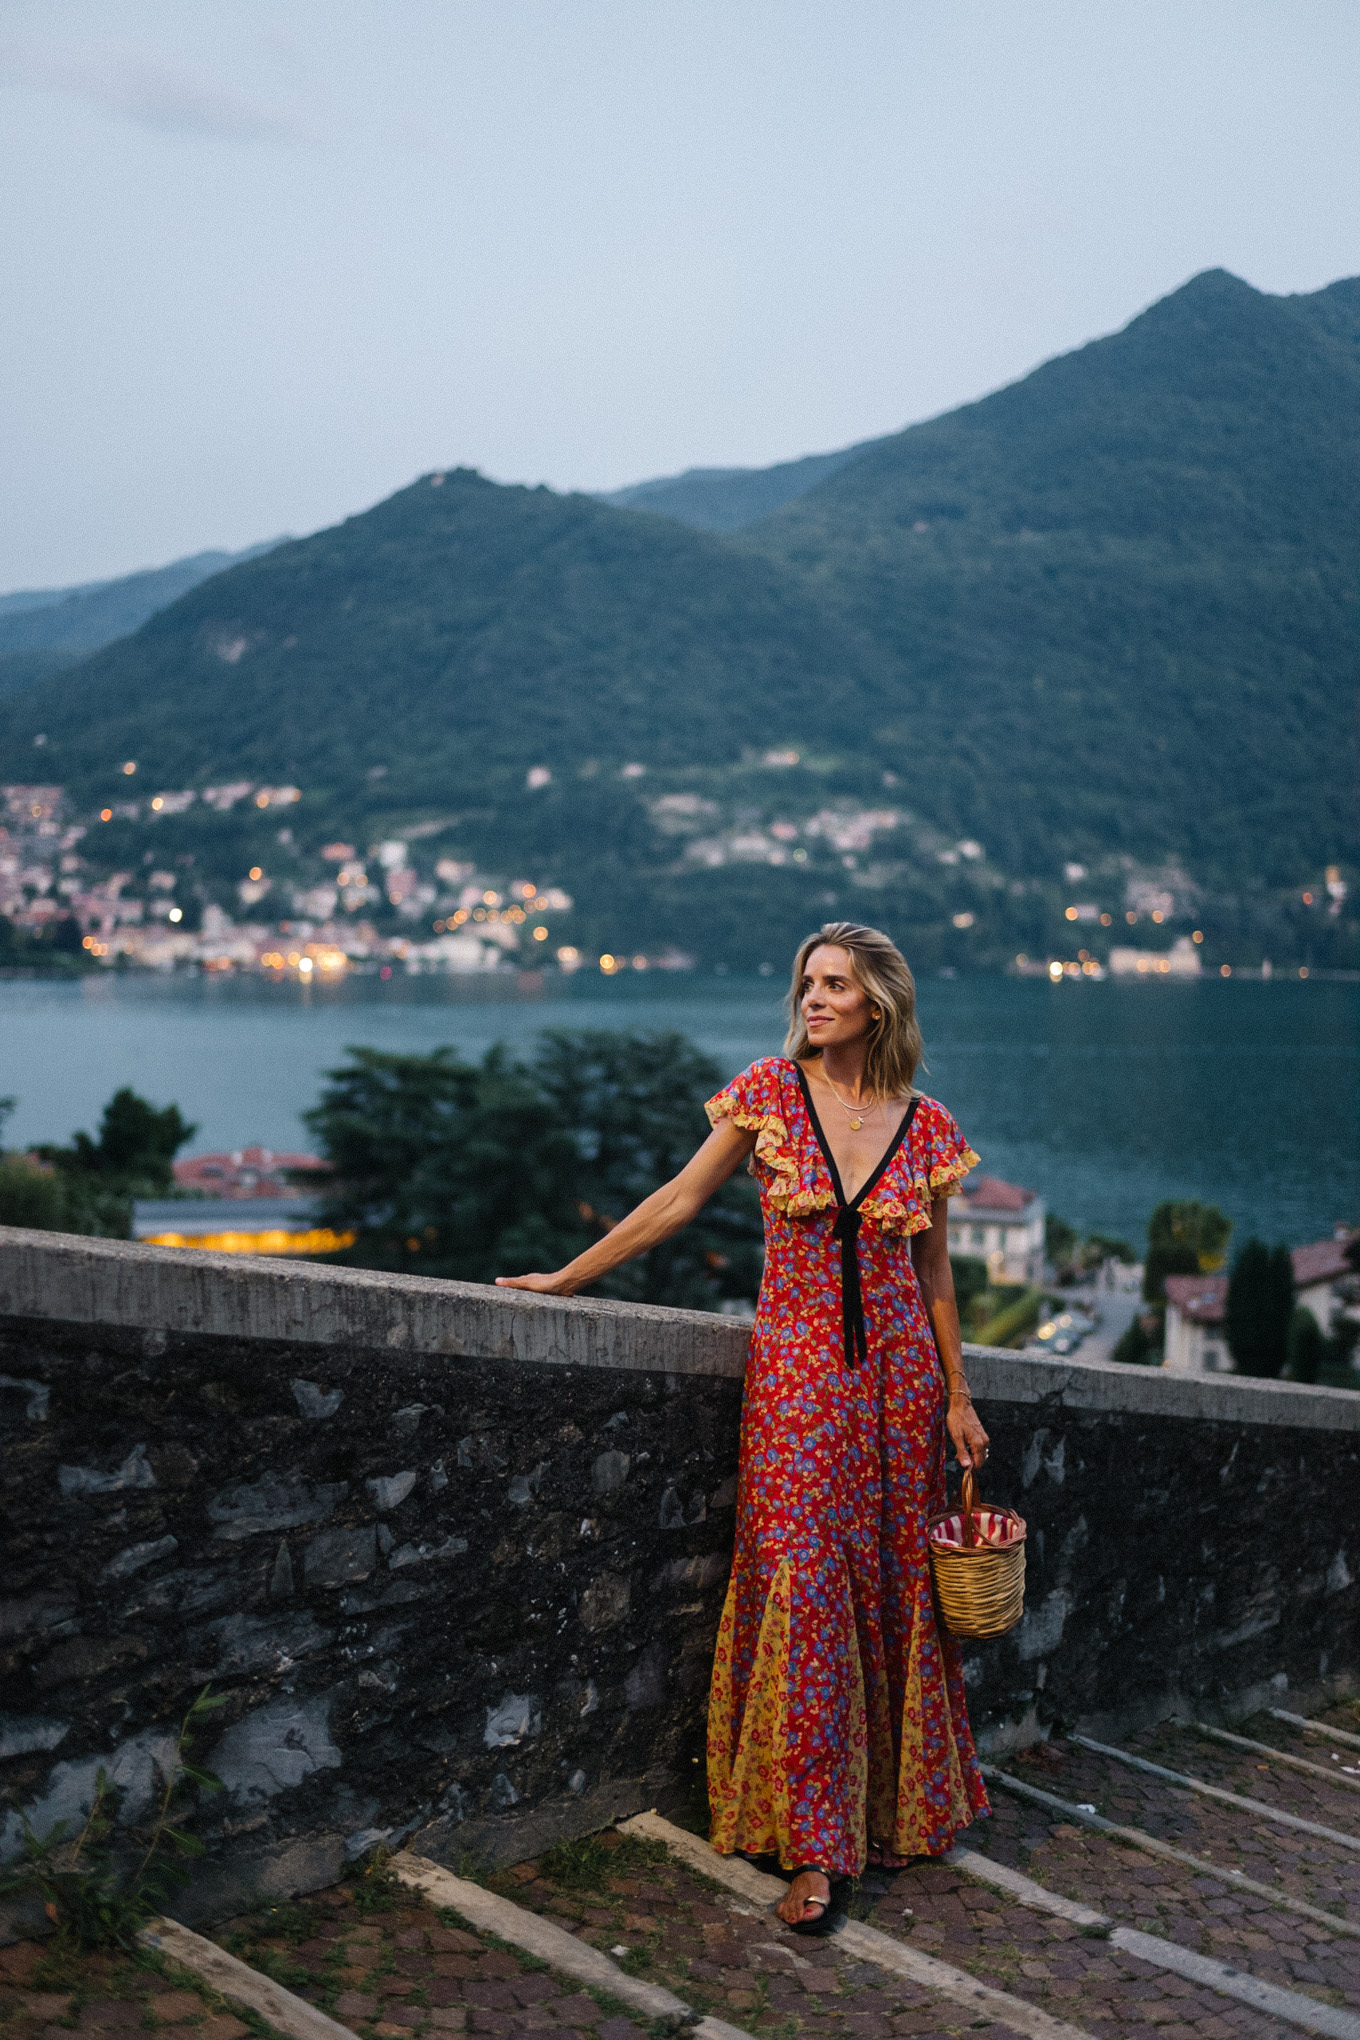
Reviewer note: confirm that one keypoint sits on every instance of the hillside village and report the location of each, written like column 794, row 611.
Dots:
column 245, row 876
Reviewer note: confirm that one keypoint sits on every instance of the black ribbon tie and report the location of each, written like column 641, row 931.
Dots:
column 846, row 1230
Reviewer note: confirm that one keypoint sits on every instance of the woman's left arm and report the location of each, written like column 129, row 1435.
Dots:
column 930, row 1258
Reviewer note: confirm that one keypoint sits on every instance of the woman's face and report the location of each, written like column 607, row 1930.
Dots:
column 835, row 1008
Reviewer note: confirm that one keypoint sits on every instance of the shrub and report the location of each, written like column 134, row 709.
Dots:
column 1259, row 1306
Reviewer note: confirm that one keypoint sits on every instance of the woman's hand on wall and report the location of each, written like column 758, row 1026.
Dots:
column 546, row 1285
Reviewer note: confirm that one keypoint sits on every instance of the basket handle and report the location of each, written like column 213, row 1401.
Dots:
column 968, row 1501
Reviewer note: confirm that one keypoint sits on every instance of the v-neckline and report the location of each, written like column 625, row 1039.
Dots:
column 872, row 1181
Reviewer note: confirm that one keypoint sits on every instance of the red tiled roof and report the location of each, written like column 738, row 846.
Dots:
column 1198, row 1297
column 247, row 1172
column 989, row 1193
column 1322, row 1261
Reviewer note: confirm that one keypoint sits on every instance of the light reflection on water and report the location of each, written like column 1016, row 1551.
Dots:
column 1105, row 1097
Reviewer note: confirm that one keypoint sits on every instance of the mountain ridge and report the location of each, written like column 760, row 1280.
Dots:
column 42, row 629
column 1106, row 613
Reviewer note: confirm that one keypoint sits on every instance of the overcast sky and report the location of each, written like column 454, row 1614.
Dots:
column 265, row 262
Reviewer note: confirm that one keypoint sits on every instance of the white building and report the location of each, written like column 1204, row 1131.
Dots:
column 1195, row 1342
column 1320, row 1271
column 1181, row 960
column 1194, row 1325
column 1001, row 1224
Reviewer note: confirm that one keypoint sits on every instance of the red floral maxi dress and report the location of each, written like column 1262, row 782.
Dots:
column 837, row 1711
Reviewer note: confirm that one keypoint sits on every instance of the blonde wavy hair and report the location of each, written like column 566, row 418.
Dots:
column 880, row 970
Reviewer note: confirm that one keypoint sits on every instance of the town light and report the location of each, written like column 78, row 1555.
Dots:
column 130, row 767
column 106, row 814
column 1055, row 971
column 255, row 872
column 176, row 913
column 1071, row 914
column 540, row 934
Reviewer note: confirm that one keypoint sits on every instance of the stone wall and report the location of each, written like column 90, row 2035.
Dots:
column 456, row 1555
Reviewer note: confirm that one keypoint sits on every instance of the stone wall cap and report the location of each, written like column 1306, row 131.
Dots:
column 80, row 1280
column 73, row 1279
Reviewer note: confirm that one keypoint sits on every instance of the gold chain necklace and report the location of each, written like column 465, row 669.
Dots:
column 854, row 1112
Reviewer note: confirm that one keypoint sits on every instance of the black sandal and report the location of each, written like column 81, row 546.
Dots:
column 822, row 1924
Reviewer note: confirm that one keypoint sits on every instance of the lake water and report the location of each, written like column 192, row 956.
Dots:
column 1104, row 1097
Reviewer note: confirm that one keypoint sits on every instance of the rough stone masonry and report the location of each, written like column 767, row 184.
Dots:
column 456, row 1555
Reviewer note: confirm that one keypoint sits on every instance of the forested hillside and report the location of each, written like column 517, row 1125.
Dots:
column 1094, row 634
column 1120, row 597
column 726, row 499
column 43, row 630
column 455, row 635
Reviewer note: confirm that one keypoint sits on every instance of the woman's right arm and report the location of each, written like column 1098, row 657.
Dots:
column 667, row 1211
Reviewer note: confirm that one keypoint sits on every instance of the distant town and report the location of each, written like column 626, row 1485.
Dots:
column 230, row 877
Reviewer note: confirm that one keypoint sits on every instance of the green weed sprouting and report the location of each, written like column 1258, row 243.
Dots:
column 587, row 1864
column 96, row 1895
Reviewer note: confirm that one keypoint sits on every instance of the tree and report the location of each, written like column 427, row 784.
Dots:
column 31, row 1191
column 1307, row 1347
column 1135, row 1346
column 1101, row 1247
column 1259, row 1305
column 1184, row 1238
column 971, row 1279
column 131, row 1158
column 1062, row 1247
column 634, row 1105
column 444, row 1167
column 136, row 1144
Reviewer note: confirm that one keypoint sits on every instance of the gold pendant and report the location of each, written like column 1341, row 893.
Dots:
column 855, row 1125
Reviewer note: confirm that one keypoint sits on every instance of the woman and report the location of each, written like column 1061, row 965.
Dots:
column 837, row 1727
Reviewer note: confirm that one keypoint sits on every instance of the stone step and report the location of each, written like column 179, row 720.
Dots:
column 1263, row 1809
column 1223, row 1836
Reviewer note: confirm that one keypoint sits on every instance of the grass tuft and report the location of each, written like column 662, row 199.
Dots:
column 589, row 1862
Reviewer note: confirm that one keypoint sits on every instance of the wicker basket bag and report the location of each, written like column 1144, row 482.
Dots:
column 977, row 1558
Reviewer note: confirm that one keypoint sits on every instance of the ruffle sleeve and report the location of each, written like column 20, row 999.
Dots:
column 931, row 1162
column 756, row 1101
column 947, row 1155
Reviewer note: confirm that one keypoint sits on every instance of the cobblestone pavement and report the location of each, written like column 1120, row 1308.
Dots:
column 977, row 1929
column 1203, row 1912
column 719, row 1954
column 391, row 1967
column 384, row 1963
column 741, row 1964
column 47, row 1995
column 747, row 1969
